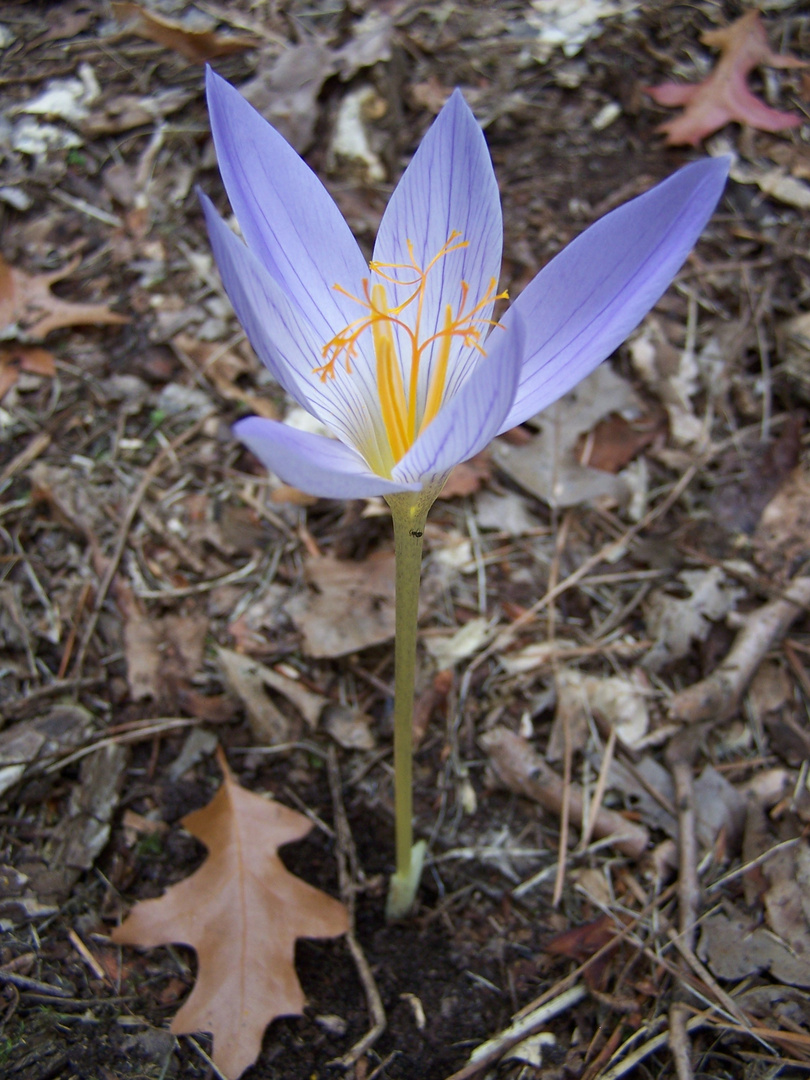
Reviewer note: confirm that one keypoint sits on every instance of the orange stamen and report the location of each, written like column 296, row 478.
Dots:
column 400, row 409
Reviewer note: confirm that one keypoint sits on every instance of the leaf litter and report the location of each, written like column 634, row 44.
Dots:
column 703, row 434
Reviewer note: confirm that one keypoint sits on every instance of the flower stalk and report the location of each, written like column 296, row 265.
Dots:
column 409, row 513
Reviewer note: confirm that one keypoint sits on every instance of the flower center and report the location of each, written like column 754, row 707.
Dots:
column 403, row 416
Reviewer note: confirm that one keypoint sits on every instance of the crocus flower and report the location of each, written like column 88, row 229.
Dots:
column 401, row 358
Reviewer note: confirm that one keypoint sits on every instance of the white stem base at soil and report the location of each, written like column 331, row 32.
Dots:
column 402, row 890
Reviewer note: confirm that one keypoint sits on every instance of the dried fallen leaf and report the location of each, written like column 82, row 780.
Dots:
column 549, row 467
column 25, row 358
column 724, row 96
column 247, row 679
column 780, row 540
column 29, row 310
column 619, row 702
column 787, row 901
column 675, row 623
column 242, row 912
column 734, row 948
column 29, row 746
column 350, row 607
column 196, row 45
column 286, row 91
column 468, row 477
column 580, row 943
column 126, row 111
column 461, row 644
column 223, row 369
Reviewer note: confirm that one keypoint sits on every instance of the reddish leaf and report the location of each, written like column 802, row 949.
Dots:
column 28, row 358
column 580, row 943
column 468, row 477
column 614, row 442
column 242, row 912
column 29, row 309
column 724, row 96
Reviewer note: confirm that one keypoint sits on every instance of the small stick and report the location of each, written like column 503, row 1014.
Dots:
column 208, row 1061
column 84, row 596
column 680, row 757
column 346, row 854
column 87, row 956
column 647, row 1048
column 623, row 933
column 680, row 1045
column 601, row 786
column 565, row 809
column 526, row 773
column 717, row 697
column 21, row 705
column 28, row 985
column 38, row 445
column 521, row 1029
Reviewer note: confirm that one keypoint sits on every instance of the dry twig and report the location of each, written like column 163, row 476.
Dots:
column 346, row 856
column 526, row 773
column 520, row 1029
column 717, row 697
column 680, row 756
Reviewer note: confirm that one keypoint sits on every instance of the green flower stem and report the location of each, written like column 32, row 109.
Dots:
column 410, row 514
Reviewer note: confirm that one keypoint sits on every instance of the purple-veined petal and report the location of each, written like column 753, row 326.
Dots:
column 284, row 341
column 449, row 186
column 286, row 214
column 320, row 466
column 469, row 420
column 587, row 300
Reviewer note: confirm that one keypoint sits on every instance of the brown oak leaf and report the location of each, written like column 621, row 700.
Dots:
column 242, row 912
column 195, row 45
column 29, row 310
column 724, row 95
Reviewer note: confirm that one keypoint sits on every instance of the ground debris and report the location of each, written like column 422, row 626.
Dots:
column 137, row 539
column 194, row 44
column 523, row 771
column 30, row 746
column 676, row 623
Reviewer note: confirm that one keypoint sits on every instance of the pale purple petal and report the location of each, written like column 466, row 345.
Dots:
column 284, row 341
column 587, row 300
column 320, row 466
column 449, row 186
column 286, row 214
column 468, row 421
